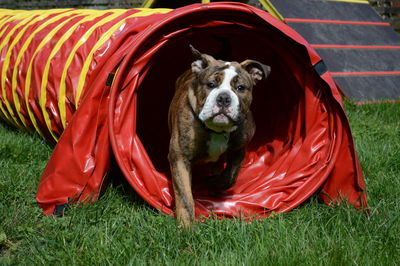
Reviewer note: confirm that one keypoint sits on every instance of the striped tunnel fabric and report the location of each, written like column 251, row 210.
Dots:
column 48, row 59
column 360, row 49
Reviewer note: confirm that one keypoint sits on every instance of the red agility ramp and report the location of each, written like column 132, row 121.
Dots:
column 105, row 79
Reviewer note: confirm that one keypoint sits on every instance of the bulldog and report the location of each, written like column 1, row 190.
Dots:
column 210, row 122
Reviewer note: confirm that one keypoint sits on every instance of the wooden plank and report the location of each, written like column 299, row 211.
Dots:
column 306, row 9
column 370, row 88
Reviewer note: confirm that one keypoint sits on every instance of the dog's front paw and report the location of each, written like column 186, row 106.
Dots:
column 184, row 210
column 185, row 222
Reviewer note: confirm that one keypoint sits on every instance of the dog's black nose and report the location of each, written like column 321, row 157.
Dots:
column 224, row 100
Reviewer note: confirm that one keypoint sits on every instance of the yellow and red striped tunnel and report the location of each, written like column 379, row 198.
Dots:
column 49, row 57
column 99, row 83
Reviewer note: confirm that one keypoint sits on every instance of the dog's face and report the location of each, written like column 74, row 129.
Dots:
column 222, row 94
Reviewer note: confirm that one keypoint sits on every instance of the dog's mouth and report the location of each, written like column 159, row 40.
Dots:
column 224, row 117
column 221, row 118
column 221, row 122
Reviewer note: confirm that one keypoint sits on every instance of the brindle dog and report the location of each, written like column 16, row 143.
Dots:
column 210, row 122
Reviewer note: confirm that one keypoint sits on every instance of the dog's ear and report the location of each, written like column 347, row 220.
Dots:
column 202, row 60
column 256, row 70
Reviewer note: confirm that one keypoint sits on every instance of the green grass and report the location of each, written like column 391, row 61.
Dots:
column 121, row 228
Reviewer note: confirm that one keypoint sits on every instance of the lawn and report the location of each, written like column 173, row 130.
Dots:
column 122, row 229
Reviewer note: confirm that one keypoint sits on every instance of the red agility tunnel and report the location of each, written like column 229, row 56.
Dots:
column 120, row 66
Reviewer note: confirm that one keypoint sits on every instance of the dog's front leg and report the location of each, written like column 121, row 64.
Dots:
column 181, row 177
column 230, row 174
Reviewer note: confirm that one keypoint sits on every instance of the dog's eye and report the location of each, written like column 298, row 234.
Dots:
column 241, row 88
column 211, row 85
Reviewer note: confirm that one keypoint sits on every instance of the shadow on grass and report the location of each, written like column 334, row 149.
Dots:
column 117, row 181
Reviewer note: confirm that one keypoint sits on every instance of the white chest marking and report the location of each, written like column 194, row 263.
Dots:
column 217, row 145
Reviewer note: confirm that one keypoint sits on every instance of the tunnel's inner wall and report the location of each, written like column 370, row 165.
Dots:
column 275, row 102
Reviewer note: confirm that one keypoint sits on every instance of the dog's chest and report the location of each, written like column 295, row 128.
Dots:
column 216, row 146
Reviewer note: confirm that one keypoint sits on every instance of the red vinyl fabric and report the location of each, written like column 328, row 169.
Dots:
column 110, row 99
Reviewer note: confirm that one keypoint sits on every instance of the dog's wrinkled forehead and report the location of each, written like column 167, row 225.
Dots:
column 227, row 73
